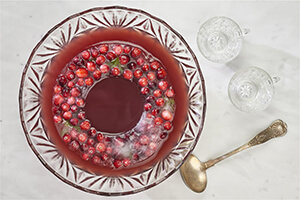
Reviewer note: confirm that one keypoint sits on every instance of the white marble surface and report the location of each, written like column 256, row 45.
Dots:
column 270, row 171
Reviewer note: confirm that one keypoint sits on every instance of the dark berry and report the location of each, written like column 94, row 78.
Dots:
column 163, row 135
column 62, row 80
column 150, row 99
column 132, row 65
column 74, row 108
column 77, row 61
column 92, row 132
column 155, row 112
column 152, row 85
column 97, row 74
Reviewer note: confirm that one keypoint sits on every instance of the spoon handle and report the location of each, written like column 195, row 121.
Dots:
column 276, row 129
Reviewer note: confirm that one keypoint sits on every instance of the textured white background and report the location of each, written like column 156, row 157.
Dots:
column 270, row 171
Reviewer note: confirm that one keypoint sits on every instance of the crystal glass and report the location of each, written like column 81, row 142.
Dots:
column 31, row 88
column 220, row 39
column 251, row 89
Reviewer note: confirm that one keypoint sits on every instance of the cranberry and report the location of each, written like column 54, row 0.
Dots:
column 118, row 49
column 82, row 137
column 75, row 92
column 85, row 55
column 127, row 49
column 57, row 119
column 143, row 81
column 157, row 93
column 151, row 76
column 74, row 108
column 126, row 162
column 138, row 73
column 62, row 80
column 111, row 56
column 92, row 132
column 66, row 92
column 150, row 99
column 91, row 66
column 81, row 115
column 55, row 110
column 67, row 115
column 74, row 145
column 140, row 61
column 90, row 142
column 100, row 147
column 104, row 68
column 136, row 52
column 89, row 81
column 77, row 61
column 147, row 106
column 163, row 135
column 169, row 93
column 135, row 157
column 163, row 85
column 57, row 89
column 109, row 150
column 58, row 99
column 160, row 102
column 97, row 74
column 145, row 67
column 70, row 101
column 74, row 121
column 72, row 67
column 80, row 102
column 154, row 65
column 103, row 48
column 94, row 52
column 161, row 73
column 167, row 125
column 127, row 74
column 104, row 156
column 115, row 71
column 152, row 146
column 100, row 137
column 73, row 133
column 65, row 106
column 132, row 65
column 145, row 90
column 85, row 156
column 95, row 160
column 117, row 163
column 152, row 85
column 166, row 115
column 124, row 59
column 144, row 139
column 80, row 82
column 155, row 112
column 100, row 60
column 82, row 72
column 71, row 84
column 158, row 121
column 67, row 138
column 85, row 125
column 91, row 150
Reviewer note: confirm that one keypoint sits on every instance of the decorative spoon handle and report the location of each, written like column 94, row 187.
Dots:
column 276, row 129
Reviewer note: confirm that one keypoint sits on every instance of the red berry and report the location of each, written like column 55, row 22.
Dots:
column 77, row 61
column 67, row 138
column 57, row 119
column 117, row 163
column 115, row 71
column 97, row 74
column 85, row 125
column 103, row 48
column 85, row 55
column 72, row 67
column 58, row 99
column 132, row 65
column 55, row 110
column 71, row 84
column 62, row 80
column 74, row 121
column 124, row 59
column 74, row 108
column 140, row 61
column 147, row 106
column 90, row 142
column 82, row 72
column 145, row 67
column 138, row 73
column 70, row 75
column 152, row 146
column 143, row 81
column 163, row 135
column 81, row 115
column 82, row 137
column 73, row 134
column 152, row 85
column 111, row 56
column 155, row 112
column 154, row 65
column 74, row 145
column 145, row 90
column 91, row 66
column 100, row 147
column 167, row 125
column 104, row 156
column 67, row 115
column 89, row 81
column 161, row 73
column 160, row 102
column 151, row 76
column 95, row 160
column 136, row 52
column 71, row 100
column 92, row 132
column 135, row 156
column 157, row 93
column 57, row 89
column 65, row 106
column 100, row 137
column 150, row 99
column 167, row 115
column 94, row 52
column 80, row 82
column 80, row 102
column 100, row 60
column 127, row 49
column 163, row 85
column 104, row 68
column 109, row 150
column 158, row 121
column 91, row 150
column 127, row 74
column 85, row 156
column 144, row 139
column 126, row 162
column 75, row 92
column 169, row 93
column 118, row 49
column 66, row 92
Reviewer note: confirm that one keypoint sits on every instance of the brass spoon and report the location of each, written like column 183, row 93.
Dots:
column 193, row 172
